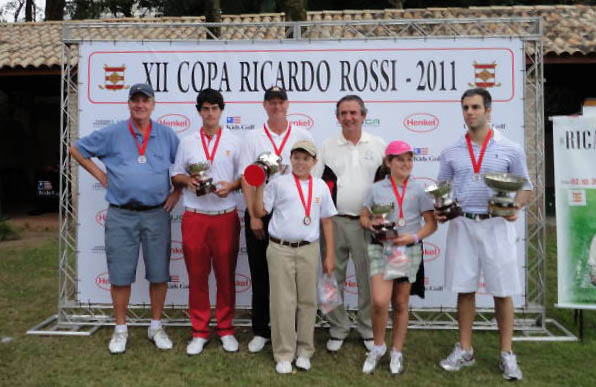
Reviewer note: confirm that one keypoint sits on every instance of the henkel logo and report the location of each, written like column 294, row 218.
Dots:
column 103, row 281
column 180, row 123
column 431, row 252
column 351, row 286
column 301, row 120
column 421, row 122
column 100, row 218
column 177, row 253
column 426, row 181
column 243, row 283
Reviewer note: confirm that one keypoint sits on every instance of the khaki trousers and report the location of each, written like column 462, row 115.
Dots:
column 350, row 242
column 293, row 299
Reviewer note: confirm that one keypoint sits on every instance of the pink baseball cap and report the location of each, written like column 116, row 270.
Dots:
column 397, row 148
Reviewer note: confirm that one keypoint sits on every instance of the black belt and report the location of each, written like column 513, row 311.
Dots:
column 136, row 207
column 287, row 243
column 353, row 217
column 477, row 217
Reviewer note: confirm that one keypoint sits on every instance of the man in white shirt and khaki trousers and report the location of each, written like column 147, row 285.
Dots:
column 347, row 164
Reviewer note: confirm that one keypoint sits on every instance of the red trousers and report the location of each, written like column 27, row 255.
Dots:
column 207, row 240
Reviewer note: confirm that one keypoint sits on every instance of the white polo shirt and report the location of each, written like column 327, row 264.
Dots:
column 258, row 142
column 224, row 168
column 287, row 223
column 354, row 165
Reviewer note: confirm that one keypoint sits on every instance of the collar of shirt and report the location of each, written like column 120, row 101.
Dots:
column 497, row 136
column 273, row 134
column 364, row 137
column 387, row 183
column 153, row 131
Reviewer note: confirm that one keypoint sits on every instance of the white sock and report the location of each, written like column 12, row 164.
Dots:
column 379, row 348
column 121, row 328
column 155, row 324
column 395, row 351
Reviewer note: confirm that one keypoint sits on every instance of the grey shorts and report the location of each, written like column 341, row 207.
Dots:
column 377, row 259
column 126, row 231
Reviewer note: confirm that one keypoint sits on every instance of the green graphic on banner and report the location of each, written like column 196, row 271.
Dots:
column 582, row 229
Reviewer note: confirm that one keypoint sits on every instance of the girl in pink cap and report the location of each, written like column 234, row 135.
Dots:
column 395, row 261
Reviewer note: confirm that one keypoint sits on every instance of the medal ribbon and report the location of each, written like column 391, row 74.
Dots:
column 145, row 138
column 305, row 205
column 400, row 199
column 210, row 157
column 283, row 142
column 477, row 164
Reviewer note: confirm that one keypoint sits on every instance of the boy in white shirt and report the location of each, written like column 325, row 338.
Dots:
column 299, row 202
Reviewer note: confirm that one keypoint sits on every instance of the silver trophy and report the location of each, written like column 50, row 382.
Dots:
column 445, row 204
column 203, row 175
column 386, row 230
column 267, row 164
column 503, row 183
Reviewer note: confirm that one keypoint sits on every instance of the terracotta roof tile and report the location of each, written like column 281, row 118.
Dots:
column 568, row 29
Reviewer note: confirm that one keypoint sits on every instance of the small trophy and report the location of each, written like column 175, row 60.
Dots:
column 267, row 165
column 503, row 183
column 445, row 204
column 201, row 172
column 386, row 230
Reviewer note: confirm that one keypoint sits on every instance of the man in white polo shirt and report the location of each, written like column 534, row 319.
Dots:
column 477, row 242
column 347, row 164
column 277, row 136
column 210, row 224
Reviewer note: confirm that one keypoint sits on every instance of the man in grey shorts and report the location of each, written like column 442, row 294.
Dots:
column 137, row 154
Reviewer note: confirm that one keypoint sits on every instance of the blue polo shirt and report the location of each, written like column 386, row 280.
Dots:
column 130, row 182
column 501, row 155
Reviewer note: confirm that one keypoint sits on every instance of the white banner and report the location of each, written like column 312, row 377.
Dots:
column 574, row 140
column 412, row 89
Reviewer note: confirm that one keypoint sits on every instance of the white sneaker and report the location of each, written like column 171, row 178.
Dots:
column 283, row 367
column 257, row 343
column 458, row 358
column 195, row 346
column 396, row 366
column 303, row 363
column 508, row 364
column 334, row 345
column 229, row 343
column 160, row 338
column 118, row 342
column 372, row 359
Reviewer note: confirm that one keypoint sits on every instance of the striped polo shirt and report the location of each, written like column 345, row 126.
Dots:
column 502, row 155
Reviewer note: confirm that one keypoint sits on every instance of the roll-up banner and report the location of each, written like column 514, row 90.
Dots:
column 574, row 141
column 412, row 89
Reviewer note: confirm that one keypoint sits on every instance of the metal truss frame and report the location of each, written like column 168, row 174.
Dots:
column 76, row 318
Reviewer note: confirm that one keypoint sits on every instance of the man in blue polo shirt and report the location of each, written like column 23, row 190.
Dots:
column 137, row 154
column 478, row 243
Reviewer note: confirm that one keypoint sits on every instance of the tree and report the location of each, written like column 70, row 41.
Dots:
column 54, row 10
column 295, row 10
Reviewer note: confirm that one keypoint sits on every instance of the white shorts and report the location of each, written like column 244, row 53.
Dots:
column 487, row 247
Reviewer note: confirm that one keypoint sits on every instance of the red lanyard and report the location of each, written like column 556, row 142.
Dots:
column 210, row 157
column 283, row 142
column 145, row 138
column 400, row 199
column 307, row 204
column 477, row 164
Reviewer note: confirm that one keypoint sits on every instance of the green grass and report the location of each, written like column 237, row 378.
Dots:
column 28, row 289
